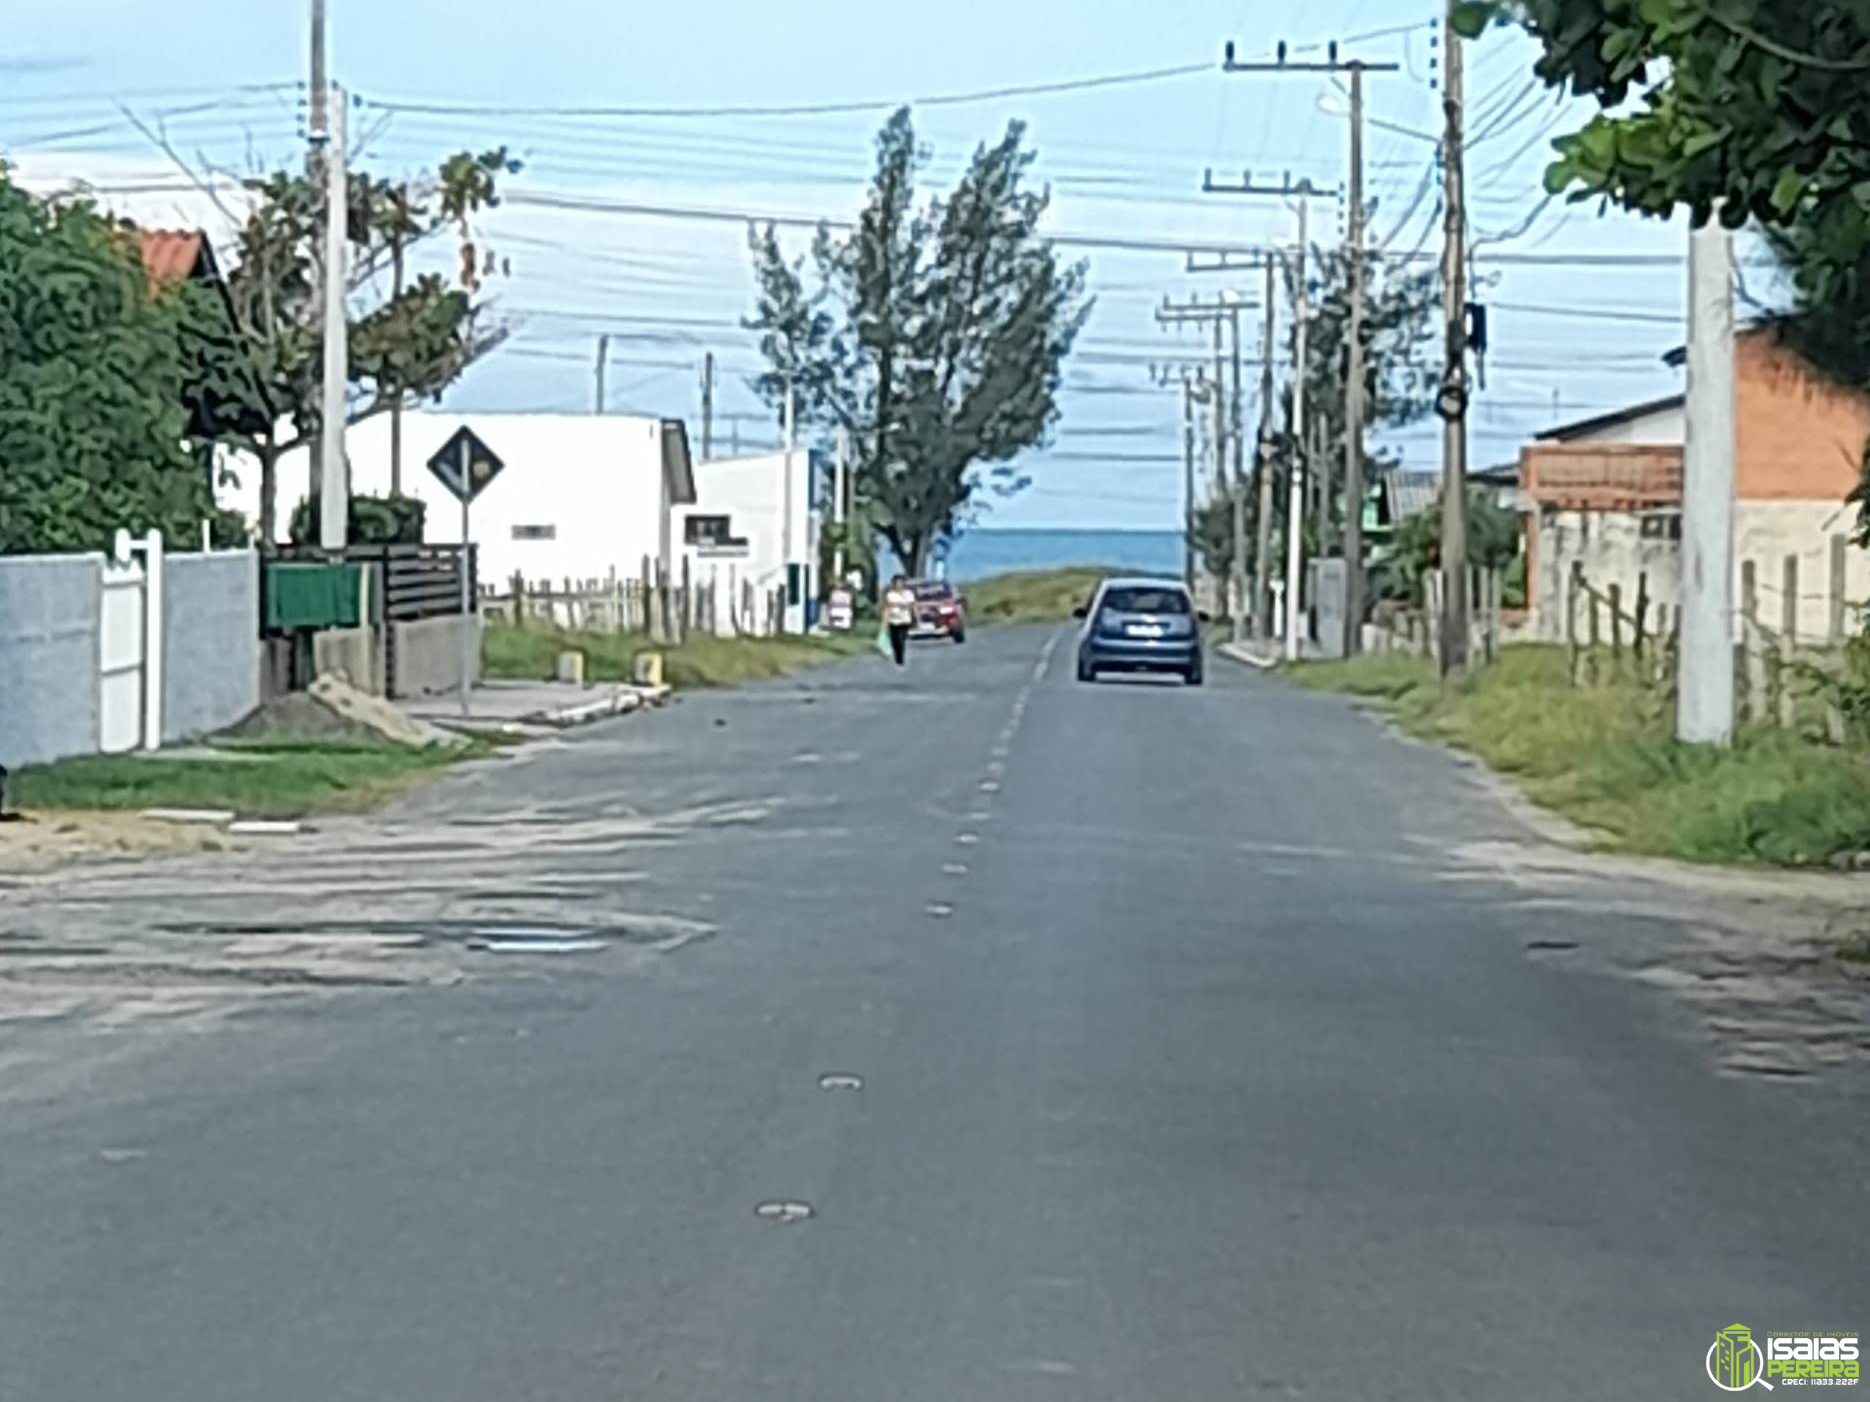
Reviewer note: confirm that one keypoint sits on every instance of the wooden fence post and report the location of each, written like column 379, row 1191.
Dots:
column 1573, row 586
column 1595, row 638
column 1616, row 629
column 1788, row 642
column 1745, row 673
column 1642, row 619
column 1838, row 625
column 650, row 619
column 688, row 601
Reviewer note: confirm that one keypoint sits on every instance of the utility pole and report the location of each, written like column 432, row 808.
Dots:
column 1263, row 467
column 334, row 494
column 707, row 406
column 1353, row 369
column 1704, row 694
column 1219, row 313
column 1354, row 385
column 1188, row 483
column 1295, row 495
column 840, row 477
column 318, row 89
column 603, row 360
column 1452, row 405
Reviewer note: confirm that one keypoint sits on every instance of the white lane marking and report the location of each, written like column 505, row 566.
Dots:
column 967, row 839
column 954, row 869
column 1045, row 655
column 939, row 909
column 996, row 767
column 980, row 815
column 990, row 786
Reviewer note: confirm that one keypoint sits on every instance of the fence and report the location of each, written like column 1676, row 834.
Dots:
column 666, row 609
column 105, row 655
column 1418, row 630
column 1781, row 676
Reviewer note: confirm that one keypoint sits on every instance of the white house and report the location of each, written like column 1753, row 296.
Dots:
column 579, row 496
column 752, row 520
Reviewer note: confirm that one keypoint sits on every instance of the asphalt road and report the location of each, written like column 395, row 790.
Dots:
column 1203, row 1056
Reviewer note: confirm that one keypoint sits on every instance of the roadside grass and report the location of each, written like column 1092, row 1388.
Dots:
column 1032, row 596
column 260, row 780
column 1605, row 758
column 531, row 654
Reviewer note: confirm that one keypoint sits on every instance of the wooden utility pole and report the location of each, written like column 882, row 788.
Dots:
column 1295, row 494
column 334, row 495
column 707, row 406
column 1453, row 399
column 1188, row 483
column 603, row 364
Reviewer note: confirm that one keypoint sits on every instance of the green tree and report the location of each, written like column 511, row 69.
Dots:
column 1493, row 540
column 1760, row 105
column 935, row 337
column 97, row 367
column 406, row 344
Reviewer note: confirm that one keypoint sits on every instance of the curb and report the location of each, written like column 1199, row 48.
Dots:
column 1236, row 653
column 619, row 702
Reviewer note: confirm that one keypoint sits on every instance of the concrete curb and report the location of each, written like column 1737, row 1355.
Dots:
column 619, row 701
column 1237, row 652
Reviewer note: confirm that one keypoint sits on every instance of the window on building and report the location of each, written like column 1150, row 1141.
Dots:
column 1662, row 525
column 710, row 530
column 535, row 532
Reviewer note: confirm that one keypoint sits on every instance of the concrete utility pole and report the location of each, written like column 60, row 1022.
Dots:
column 1353, row 371
column 1454, row 386
column 1237, row 573
column 316, row 113
column 1295, row 495
column 1263, row 467
column 1704, row 695
column 1188, row 483
column 334, row 488
column 840, row 478
column 707, row 406
column 603, row 364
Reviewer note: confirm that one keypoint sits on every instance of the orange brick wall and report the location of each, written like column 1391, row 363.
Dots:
column 1799, row 439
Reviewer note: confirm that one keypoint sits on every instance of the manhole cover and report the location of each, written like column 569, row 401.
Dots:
column 839, row 1080
column 783, row 1210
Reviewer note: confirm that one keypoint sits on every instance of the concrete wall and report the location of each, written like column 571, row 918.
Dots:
column 49, row 608
column 428, row 654
column 1612, row 550
column 1799, row 438
column 354, row 654
column 211, row 641
column 751, row 492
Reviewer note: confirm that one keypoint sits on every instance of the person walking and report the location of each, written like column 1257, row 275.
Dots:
column 899, row 612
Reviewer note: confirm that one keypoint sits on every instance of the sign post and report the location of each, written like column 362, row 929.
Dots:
column 465, row 465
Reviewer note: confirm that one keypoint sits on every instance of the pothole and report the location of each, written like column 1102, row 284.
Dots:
column 783, row 1210
column 840, row 1080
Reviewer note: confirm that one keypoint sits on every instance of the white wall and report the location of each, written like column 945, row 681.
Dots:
column 596, row 480
column 751, row 492
column 1765, row 532
column 1663, row 428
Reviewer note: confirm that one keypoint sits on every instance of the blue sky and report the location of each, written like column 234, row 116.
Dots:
column 225, row 80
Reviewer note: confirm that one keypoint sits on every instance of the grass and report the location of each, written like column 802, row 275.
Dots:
column 269, row 780
column 1032, row 596
column 531, row 653
column 1604, row 757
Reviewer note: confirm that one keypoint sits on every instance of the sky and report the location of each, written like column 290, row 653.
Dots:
column 639, row 114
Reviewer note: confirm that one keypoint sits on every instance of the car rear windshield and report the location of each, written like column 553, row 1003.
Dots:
column 933, row 591
column 1145, row 600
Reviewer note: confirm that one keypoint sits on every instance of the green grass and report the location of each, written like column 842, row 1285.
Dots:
column 1032, row 596
column 1604, row 757
column 268, row 780
column 531, row 653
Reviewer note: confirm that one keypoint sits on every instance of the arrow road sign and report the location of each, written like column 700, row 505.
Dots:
column 465, row 465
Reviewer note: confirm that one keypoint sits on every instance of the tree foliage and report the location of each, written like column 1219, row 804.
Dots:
column 1493, row 540
column 408, row 342
column 96, row 372
column 934, row 336
column 388, row 520
column 1760, row 105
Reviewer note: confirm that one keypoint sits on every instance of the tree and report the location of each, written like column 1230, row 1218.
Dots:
column 1760, row 105
column 97, row 367
column 1493, row 539
column 936, row 338
column 408, row 344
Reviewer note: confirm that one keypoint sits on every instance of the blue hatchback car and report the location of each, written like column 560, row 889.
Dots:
column 1140, row 625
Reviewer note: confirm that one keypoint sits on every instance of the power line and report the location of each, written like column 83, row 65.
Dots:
column 813, row 109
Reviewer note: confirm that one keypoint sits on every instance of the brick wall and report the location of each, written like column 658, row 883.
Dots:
column 1799, row 438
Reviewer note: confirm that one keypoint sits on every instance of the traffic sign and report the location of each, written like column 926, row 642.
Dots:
column 465, row 465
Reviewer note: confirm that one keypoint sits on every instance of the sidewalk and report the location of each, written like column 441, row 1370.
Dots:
column 517, row 707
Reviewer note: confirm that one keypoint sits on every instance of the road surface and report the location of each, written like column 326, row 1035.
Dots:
column 1213, row 1044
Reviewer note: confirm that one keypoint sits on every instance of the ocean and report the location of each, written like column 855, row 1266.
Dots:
column 978, row 553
